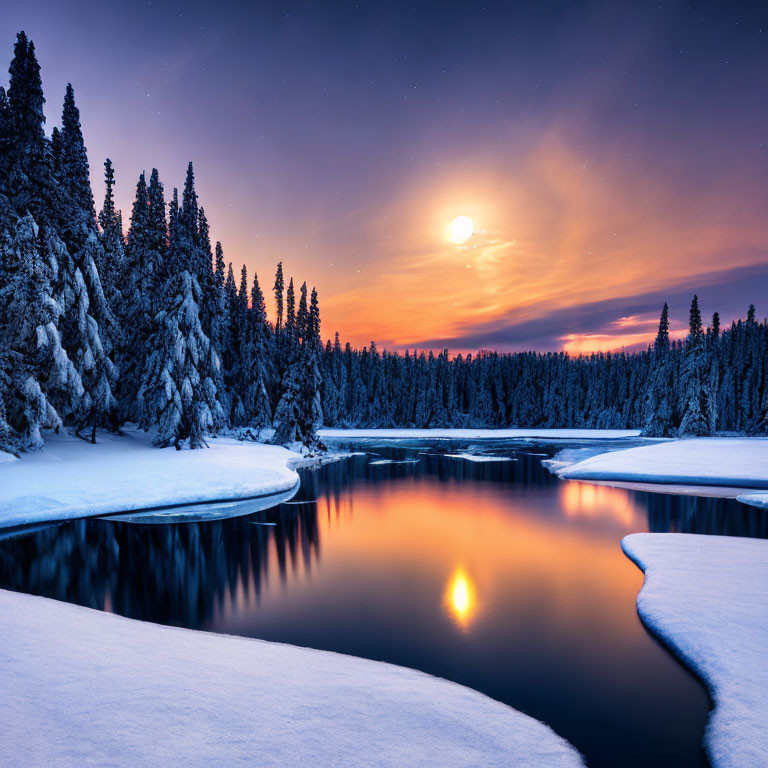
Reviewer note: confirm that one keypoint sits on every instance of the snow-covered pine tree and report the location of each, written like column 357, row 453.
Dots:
column 181, row 379
column 88, row 326
column 29, row 181
column 145, row 271
column 220, row 329
column 74, row 170
column 696, row 393
column 112, row 267
column 34, row 364
column 312, row 382
column 232, row 353
column 209, row 307
column 241, row 351
column 5, row 138
column 279, row 287
column 658, row 414
column 256, row 362
column 288, row 417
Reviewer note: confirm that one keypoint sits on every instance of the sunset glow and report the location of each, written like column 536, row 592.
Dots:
column 445, row 199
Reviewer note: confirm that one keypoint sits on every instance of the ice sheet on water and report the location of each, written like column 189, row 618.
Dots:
column 478, row 457
column 198, row 513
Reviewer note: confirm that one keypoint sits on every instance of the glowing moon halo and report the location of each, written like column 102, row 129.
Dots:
column 460, row 229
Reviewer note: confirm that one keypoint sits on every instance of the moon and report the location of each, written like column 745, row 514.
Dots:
column 460, row 229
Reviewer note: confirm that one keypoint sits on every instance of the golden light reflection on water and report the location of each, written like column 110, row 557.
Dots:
column 466, row 550
column 460, row 598
column 596, row 502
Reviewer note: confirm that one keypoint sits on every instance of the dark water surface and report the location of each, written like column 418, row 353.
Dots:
column 494, row 574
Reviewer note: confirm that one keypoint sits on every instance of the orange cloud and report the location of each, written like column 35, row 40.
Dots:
column 561, row 229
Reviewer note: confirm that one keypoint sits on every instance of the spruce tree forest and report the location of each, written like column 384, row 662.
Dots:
column 100, row 326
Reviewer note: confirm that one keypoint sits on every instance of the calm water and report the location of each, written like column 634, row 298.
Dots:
column 496, row 575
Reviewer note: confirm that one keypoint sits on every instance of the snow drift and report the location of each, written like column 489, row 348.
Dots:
column 81, row 686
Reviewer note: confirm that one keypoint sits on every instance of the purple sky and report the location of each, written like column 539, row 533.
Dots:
column 610, row 155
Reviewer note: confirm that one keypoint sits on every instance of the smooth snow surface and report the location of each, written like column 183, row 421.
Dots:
column 85, row 687
column 477, row 434
column 724, row 461
column 6, row 458
column 70, row 478
column 707, row 597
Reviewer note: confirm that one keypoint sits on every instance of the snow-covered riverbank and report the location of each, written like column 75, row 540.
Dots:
column 705, row 596
column 70, row 478
column 81, row 686
column 708, row 461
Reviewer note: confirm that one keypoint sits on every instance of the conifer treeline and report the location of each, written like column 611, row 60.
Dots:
column 713, row 381
column 97, row 329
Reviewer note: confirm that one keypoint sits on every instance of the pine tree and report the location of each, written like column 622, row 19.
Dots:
column 659, row 413
column 74, row 172
column 209, row 307
column 181, row 381
column 312, row 411
column 716, row 325
column 88, row 326
column 279, row 287
column 111, row 255
column 256, row 397
column 696, row 394
column 287, row 421
column 299, row 412
column 177, row 398
column 29, row 182
column 34, row 364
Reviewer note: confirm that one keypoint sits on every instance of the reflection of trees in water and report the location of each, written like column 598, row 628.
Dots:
column 181, row 573
column 172, row 574
column 700, row 514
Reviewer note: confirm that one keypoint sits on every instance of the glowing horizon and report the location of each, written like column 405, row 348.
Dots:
column 346, row 147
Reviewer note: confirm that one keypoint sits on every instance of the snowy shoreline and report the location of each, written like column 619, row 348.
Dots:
column 81, row 685
column 739, row 464
column 69, row 478
column 704, row 597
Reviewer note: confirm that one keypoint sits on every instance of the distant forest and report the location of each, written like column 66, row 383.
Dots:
column 99, row 327
column 714, row 381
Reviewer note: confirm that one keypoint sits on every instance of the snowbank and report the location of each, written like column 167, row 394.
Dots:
column 706, row 597
column 725, row 461
column 80, row 686
column 477, row 434
column 70, row 478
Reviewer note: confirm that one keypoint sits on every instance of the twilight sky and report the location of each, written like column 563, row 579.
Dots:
column 611, row 155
